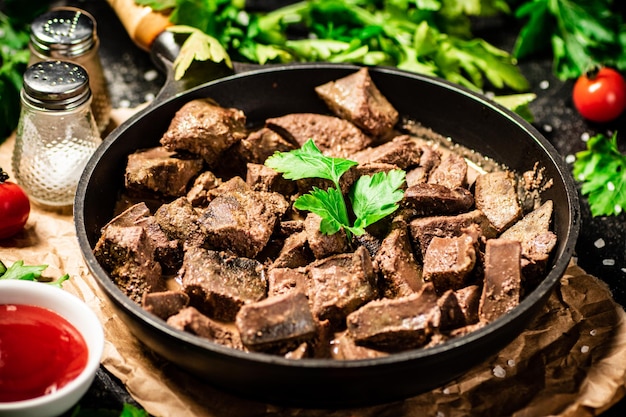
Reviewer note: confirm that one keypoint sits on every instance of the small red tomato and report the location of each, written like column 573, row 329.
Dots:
column 600, row 96
column 14, row 207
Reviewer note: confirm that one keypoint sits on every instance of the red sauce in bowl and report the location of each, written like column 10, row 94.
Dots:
column 40, row 352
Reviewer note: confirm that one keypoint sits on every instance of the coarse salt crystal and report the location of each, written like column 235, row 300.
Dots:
column 584, row 349
column 608, row 262
column 544, row 85
column 570, row 159
column 593, row 332
column 584, row 137
column 599, row 243
column 499, row 372
column 511, row 362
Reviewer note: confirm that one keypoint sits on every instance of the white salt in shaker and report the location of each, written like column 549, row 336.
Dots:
column 69, row 34
column 56, row 134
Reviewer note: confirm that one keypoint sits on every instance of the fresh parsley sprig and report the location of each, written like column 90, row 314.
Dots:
column 28, row 273
column 601, row 169
column 372, row 197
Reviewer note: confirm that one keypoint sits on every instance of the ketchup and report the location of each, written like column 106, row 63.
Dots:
column 40, row 352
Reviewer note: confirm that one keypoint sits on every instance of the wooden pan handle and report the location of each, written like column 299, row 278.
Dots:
column 142, row 23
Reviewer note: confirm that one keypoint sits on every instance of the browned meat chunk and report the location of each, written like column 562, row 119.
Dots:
column 344, row 348
column 424, row 229
column 198, row 193
column 469, row 299
column 537, row 241
column 340, row 284
column 496, row 196
column 281, row 280
column 261, row 144
column 295, row 252
column 402, row 151
column 449, row 261
column 164, row 304
column 357, row 99
column 402, row 275
column 451, row 315
column 204, row 128
column 191, row 320
column 451, row 172
column 179, row 220
column 349, row 178
column 278, row 323
column 323, row 245
column 332, row 135
column 394, row 325
column 219, row 284
column 503, row 278
column 160, row 171
column 242, row 222
column 429, row 159
column 128, row 254
column 430, row 199
column 262, row 178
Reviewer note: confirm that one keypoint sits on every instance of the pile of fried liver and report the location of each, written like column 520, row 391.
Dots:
column 225, row 256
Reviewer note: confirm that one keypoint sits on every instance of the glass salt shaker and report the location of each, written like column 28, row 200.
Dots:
column 69, row 34
column 56, row 134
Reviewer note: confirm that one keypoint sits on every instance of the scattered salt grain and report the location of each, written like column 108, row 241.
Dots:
column 593, row 332
column 446, row 391
column 599, row 243
column 547, row 128
column 150, row 75
column 570, row 159
column 617, row 209
column 585, row 136
column 124, row 104
column 511, row 363
column 608, row 262
column 584, row 349
column 149, row 97
column 440, row 414
column 610, row 186
column 499, row 372
column 544, row 85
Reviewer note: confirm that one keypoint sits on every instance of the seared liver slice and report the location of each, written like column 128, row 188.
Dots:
column 277, row 323
column 344, row 348
column 333, row 136
column 469, row 300
column 451, row 172
column 496, row 196
column 203, row 127
column 282, row 280
column 431, row 199
column 402, row 275
column 242, row 222
column 193, row 321
column 157, row 170
column 218, row 284
column 340, row 284
column 424, row 229
column 502, row 284
column 402, row 151
column 263, row 178
column 398, row 324
column 179, row 220
column 449, row 261
column 164, row 304
column 429, row 159
column 294, row 253
column 323, row 245
column 198, row 193
column 451, row 315
column 127, row 253
column 261, row 144
column 357, row 99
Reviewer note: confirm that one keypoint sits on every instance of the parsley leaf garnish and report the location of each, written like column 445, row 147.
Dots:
column 28, row 273
column 602, row 170
column 372, row 197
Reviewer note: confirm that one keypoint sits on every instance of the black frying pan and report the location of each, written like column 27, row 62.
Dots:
column 469, row 118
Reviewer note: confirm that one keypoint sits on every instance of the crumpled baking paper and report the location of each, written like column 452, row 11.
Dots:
column 569, row 362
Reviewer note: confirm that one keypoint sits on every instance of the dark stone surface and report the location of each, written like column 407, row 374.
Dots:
column 601, row 248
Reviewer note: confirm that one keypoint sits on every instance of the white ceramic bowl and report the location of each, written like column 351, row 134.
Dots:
column 80, row 316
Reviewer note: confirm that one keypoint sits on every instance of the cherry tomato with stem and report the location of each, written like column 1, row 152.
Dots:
column 600, row 95
column 14, row 207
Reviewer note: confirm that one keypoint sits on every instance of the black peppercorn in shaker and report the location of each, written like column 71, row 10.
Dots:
column 69, row 34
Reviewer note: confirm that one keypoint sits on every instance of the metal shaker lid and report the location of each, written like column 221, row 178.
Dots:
column 56, row 85
column 63, row 32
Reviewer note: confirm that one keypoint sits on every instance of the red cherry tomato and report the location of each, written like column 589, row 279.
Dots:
column 14, row 207
column 600, row 96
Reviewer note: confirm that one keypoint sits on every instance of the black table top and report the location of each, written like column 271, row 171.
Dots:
column 601, row 248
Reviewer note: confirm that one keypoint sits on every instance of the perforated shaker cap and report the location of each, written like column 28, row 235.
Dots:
column 56, row 85
column 63, row 32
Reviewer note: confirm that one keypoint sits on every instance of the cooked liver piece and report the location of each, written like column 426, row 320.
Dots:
column 402, row 151
column 394, row 325
column 323, row 245
column 191, row 320
column 219, row 284
column 202, row 127
column 344, row 348
column 179, row 220
column 451, row 315
column 262, row 178
column 340, row 284
column 424, row 229
column 430, row 199
column 401, row 273
column 282, row 280
column 429, row 159
column 198, row 193
column 261, row 144
column 333, row 136
column 294, row 253
column 164, row 304
column 357, row 99
column 451, row 172
column 160, row 171
column 242, row 222
column 280, row 322
column 469, row 299
column 449, row 261
column 496, row 196
column 503, row 278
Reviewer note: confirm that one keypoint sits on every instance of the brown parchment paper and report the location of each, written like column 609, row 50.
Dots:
column 570, row 361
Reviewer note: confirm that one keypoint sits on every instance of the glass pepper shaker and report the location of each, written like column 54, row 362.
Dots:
column 56, row 133
column 69, row 34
